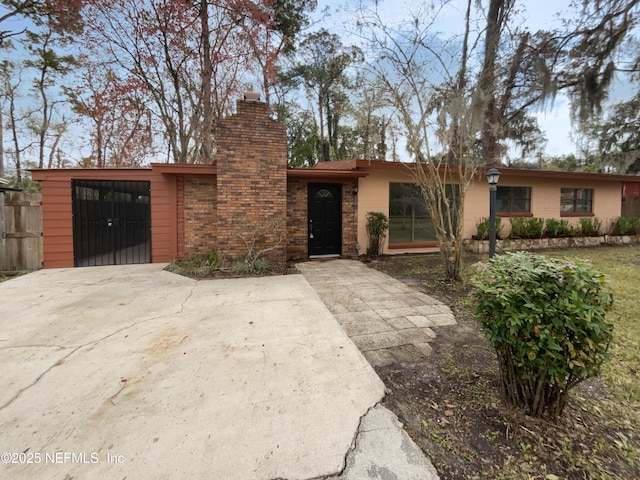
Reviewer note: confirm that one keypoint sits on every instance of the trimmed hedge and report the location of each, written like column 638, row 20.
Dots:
column 545, row 317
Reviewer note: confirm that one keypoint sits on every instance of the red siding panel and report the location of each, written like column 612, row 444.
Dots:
column 631, row 189
column 57, row 211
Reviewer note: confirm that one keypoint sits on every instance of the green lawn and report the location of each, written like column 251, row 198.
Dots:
column 595, row 439
column 622, row 269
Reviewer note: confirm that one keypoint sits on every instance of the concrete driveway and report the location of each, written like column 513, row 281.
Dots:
column 133, row 372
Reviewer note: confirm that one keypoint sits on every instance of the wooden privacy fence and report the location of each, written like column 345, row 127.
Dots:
column 20, row 231
column 631, row 206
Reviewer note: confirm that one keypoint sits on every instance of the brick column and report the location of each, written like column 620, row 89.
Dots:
column 251, row 183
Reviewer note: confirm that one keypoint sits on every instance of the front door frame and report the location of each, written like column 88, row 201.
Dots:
column 324, row 238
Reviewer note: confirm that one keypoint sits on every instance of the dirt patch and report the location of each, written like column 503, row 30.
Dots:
column 452, row 406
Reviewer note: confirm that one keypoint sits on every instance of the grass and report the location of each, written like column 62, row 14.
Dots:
column 621, row 375
column 208, row 265
column 621, row 267
column 595, row 439
column 196, row 266
column 5, row 277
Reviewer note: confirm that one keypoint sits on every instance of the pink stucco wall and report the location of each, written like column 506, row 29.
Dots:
column 545, row 199
column 373, row 196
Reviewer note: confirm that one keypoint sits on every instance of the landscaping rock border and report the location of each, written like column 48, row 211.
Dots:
column 482, row 246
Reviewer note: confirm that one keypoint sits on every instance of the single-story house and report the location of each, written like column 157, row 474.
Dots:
column 250, row 200
column 520, row 193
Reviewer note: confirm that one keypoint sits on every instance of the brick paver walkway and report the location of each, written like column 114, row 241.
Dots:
column 386, row 319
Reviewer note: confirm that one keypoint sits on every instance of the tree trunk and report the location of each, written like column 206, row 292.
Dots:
column 324, row 154
column 14, row 135
column 207, row 68
column 456, row 148
column 44, row 126
column 1, row 144
column 491, row 127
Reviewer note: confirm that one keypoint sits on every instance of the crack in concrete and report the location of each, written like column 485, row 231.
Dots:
column 22, row 390
column 191, row 292
column 59, row 347
column 352, row 448
column 134, row 324
column 113, row 397
column 93, row 342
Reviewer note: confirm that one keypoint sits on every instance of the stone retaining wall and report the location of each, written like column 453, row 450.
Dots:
column 482, row 246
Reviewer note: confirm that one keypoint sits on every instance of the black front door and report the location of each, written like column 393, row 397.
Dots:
column 325, row 219
column 111, row 222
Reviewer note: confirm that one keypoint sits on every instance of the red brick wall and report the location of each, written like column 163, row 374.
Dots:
column 297, row 206
column 251, row 183
column 199, row 215
column 349, row 220
column 297, row 246
column 180, row 216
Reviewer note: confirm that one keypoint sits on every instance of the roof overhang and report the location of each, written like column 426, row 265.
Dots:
column 605, row 177
column 189, row 169
column 505, row 171
column 331, row 171
column 39, row 174
column 330, row 174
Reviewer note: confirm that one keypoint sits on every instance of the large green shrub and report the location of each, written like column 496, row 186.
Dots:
column 377, row 226
column 626, row 226
column 482, row 227
column 524, row 227
column 545, row 317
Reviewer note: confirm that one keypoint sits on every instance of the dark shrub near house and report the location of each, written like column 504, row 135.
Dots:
column 558, row 228
column 590, row 227
column 377, row 226
column 523, row 227
column 626, row 226
column 482, row 227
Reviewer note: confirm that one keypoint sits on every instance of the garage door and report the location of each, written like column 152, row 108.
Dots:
column 111, row 222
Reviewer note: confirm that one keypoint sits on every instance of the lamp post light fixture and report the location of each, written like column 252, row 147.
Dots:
column 493, row 175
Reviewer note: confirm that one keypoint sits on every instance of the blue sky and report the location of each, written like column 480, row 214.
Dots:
column 555, row 120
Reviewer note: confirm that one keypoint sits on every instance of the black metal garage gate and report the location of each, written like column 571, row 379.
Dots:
column 111, row 222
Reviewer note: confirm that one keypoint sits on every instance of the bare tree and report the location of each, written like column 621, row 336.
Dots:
column 120, row 131
column 427, row 91
column 11, row 77
column 191, row 58
column 49, row 68
column 275, row 34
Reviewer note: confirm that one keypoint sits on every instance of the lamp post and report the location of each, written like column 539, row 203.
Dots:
column 493, row 175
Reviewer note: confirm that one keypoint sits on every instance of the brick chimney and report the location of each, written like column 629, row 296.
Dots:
column 251, row 182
